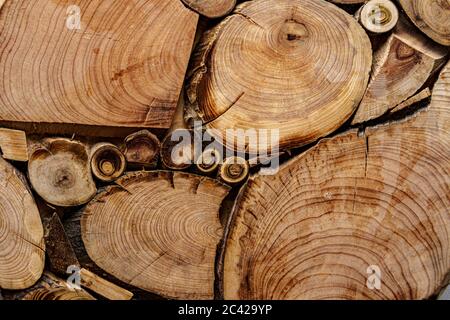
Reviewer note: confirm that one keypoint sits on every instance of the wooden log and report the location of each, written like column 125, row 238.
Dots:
column 57, row 294
column 94, row 62
column 422, row 95
column 401, row 67
column 234, row 170
column 108, row 163
column 348, row 1
column 62, row 259
column 351, row 205
column 51, row 287
column 59, row 171
column 209, row 161
column 103, row 287
column 431, row 17
column 274, row 64
column 211, row 8
column 22, row 249
column 378, row 16
column 142, row 149
column 158, row 232
column 13, row 144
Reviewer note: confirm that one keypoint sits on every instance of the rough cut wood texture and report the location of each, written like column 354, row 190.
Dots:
column 124, row 67
column 352, row 202
column 21, row 234
column 378, row 16
column 158, row 231
column 401, row 67
column 211, row 8
column 274, row 64
column 60, row 172
column 430, row 16
column 13, row 144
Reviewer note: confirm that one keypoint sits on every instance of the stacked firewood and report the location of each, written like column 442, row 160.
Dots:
column 133, row 164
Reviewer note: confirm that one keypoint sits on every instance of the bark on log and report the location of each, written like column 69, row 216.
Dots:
column 351, row 203
column 211, row 8
column 60, row 172
column 401, row 67
column 275, row 62
column 108, row 70
column 13, row 145
column 21, row 235
column 431, row 17
column 158, row 232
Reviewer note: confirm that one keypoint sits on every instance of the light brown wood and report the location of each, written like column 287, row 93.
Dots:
column 354, row 201
column 348, row 1
column 422, row 95
column 123, row 67
column 430, row 16
column 401, row 67
column 108, row 163
column 378, row 16
column 142, row 149
column 13, row 144
column 211, row 8
column 234, row 170
column 103, row 287
column 22, row 248
column 274, row 64
column 177, row 150
column 50, row 287
column 209, row 161
column 60, row 172
column 158, row 231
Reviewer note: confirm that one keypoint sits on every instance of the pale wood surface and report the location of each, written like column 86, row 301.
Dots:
column 22, row 248
column 351, row 202
column 157, row 231
column 275, row 65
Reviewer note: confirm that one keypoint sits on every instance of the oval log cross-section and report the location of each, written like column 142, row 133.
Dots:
column 356, row 217
column 21, row 234
column 60, row 172
column 300, row 66
column 158, row 231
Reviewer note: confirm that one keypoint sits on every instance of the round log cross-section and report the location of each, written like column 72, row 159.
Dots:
column 300, row 66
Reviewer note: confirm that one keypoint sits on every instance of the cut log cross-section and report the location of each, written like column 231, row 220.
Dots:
column 211, row 8
column 21, row 234
column 60, row 172
column 430, row 16
column 277, row 65
column 401, row 67
column 158, row 231
column 94, row 62
column 353, row 204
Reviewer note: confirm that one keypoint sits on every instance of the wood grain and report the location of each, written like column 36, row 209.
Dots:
column 351, row 202
column 276, row 65
column 158, row 231
column 430, row 16
column 113, row 71
column 22, row 248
